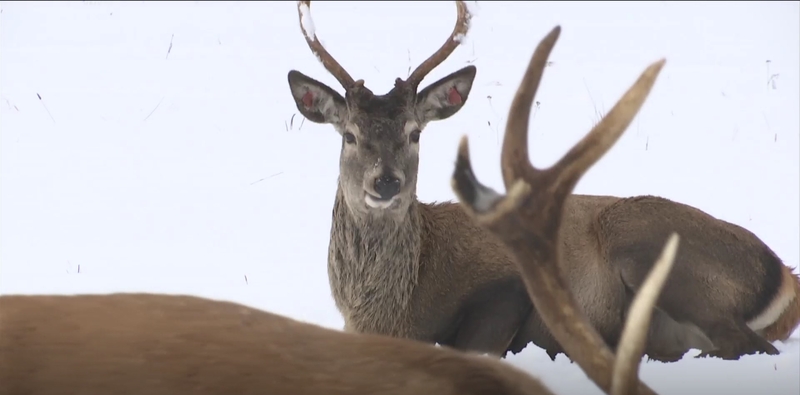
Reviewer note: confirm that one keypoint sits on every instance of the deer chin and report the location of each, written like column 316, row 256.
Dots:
column 380, row 204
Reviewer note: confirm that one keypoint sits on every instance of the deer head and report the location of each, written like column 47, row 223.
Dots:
column 380, row 133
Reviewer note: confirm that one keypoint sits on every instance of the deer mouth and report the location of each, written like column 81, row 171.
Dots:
column 379, row 203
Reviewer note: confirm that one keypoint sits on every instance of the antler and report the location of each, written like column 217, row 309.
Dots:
column 528, row 218
column 306, row 24
column 459, row 32
column 634, row 335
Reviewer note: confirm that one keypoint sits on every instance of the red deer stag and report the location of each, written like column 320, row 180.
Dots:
column 404, row 268
column 160, row 344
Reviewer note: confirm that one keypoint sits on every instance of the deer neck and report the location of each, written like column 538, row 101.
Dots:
column 373, row 263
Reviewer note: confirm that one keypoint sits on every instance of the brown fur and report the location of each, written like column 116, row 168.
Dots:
column 161, row 344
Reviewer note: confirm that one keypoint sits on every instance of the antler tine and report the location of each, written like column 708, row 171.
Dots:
column 600, row 139
column 515, row 165
column 528, row 218
column 306, row 24
column 514, row 157
column 459, row 31
column 634, row 335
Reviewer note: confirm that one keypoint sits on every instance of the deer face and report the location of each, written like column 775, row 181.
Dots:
column 380, row 134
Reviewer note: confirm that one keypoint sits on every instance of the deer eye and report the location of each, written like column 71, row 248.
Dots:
column 414, row 136
column 349, row 138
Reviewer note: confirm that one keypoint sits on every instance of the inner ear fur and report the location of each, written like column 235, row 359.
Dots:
column 317, row 102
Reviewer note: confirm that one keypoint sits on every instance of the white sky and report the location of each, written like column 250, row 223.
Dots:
column 191, row 172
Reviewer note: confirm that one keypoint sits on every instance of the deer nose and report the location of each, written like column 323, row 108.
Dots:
column 387, row 186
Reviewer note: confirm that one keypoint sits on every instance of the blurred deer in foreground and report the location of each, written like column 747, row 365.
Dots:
column 160, row 344
column 428, row 272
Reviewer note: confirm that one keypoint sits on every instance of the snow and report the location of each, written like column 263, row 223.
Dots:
column 194, row 174
column 472, row 10
column 306, row 22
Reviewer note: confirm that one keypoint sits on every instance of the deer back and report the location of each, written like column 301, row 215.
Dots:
column 168, row 344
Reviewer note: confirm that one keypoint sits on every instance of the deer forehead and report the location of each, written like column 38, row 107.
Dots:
column 383, row 128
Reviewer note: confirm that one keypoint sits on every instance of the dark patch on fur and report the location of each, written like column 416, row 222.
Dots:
column 490, row 317
column 392, row 105
column 770, row 283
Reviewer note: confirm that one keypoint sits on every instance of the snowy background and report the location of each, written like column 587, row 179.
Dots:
column 154, row 146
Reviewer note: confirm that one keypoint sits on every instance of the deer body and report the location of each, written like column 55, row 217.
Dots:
column 376, row 284
column 723, row 278
column 404, row 268
column 438, row 277
column 170, row 344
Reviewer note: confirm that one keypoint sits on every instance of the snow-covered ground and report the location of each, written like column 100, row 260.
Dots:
column 154, row 146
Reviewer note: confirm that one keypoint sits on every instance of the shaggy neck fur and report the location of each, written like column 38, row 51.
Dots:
column 373, row 263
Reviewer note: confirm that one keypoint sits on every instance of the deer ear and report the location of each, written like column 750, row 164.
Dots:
column 315, row 100
column 445, row 97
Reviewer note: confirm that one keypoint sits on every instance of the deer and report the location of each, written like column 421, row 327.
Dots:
column 426, row 271
column 136, row 343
